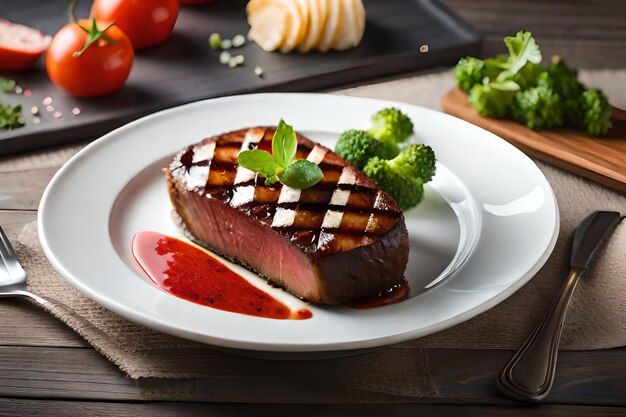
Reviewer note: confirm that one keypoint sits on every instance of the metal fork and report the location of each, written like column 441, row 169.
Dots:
column 13, row 284
column 12, row 275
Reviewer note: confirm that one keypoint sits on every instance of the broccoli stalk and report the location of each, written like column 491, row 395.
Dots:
column 493, row 99
column 494, row 66
column 529, row 75
column 358, row 146
column 403, row 177
column 391, row 125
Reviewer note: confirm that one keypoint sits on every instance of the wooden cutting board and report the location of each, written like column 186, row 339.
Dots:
column 601, row 160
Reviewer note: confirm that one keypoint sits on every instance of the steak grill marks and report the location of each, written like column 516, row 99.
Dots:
column 310, row 218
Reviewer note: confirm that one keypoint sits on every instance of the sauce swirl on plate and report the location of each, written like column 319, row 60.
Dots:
column 191, row 273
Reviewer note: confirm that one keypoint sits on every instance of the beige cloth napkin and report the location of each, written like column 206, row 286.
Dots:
column 595, row 320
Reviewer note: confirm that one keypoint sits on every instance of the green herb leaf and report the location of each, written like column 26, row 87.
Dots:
column 301, row 174
column 258, row 161
column 522, row 49
column 7, row 85
column 284, row 144
column 11, row 117
column 270, row 180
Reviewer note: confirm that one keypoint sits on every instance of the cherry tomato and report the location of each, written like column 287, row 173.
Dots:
column 145, row 22
column 101, row 69
column 20, row 45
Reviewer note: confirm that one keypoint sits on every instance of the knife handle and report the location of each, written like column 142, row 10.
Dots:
column 528, row 376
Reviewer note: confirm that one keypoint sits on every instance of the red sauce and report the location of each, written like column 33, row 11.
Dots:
column 393, row 295
column 189, row 272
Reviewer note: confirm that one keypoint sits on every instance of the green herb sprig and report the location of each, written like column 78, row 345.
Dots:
column 11, row 116
column 280, row 164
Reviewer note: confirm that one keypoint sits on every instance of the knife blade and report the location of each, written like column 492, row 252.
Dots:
column 590, row 234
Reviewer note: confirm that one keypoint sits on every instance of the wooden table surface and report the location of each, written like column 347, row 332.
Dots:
column 47, row 370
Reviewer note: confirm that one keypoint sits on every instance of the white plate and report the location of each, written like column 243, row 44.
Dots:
column 488, row 223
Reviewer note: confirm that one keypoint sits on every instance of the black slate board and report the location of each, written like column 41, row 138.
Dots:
column 185, row 69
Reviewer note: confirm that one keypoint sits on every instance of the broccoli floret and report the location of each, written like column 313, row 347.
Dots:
column 586, row 109
column 489, row 101
column 417, row 161
column 392, row 125
column 562, row 80
column 538, row 107
column 357, row 146
column 468, row 72
column 404, row 176
column 570, row 105
column 406, row 191
column 389, row 149
column 596, row 112
column 516, row 86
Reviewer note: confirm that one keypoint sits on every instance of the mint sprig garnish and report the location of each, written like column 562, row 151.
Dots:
column 261, row 162
column 280, row 164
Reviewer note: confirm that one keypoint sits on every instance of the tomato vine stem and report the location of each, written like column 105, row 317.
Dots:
column 93, row 33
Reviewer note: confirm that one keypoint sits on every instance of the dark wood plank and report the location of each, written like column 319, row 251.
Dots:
column 74, row 373
column 588, row 34
column 25, row 324
column 17, row 408
column 394, row 375
column 12, row 221
column 582, row 377
column 53, row 157
column 22, row 190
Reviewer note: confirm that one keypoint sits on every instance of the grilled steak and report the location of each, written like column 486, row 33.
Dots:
column 335, row 242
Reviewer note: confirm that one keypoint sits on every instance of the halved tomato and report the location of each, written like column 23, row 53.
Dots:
column 20, row 45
